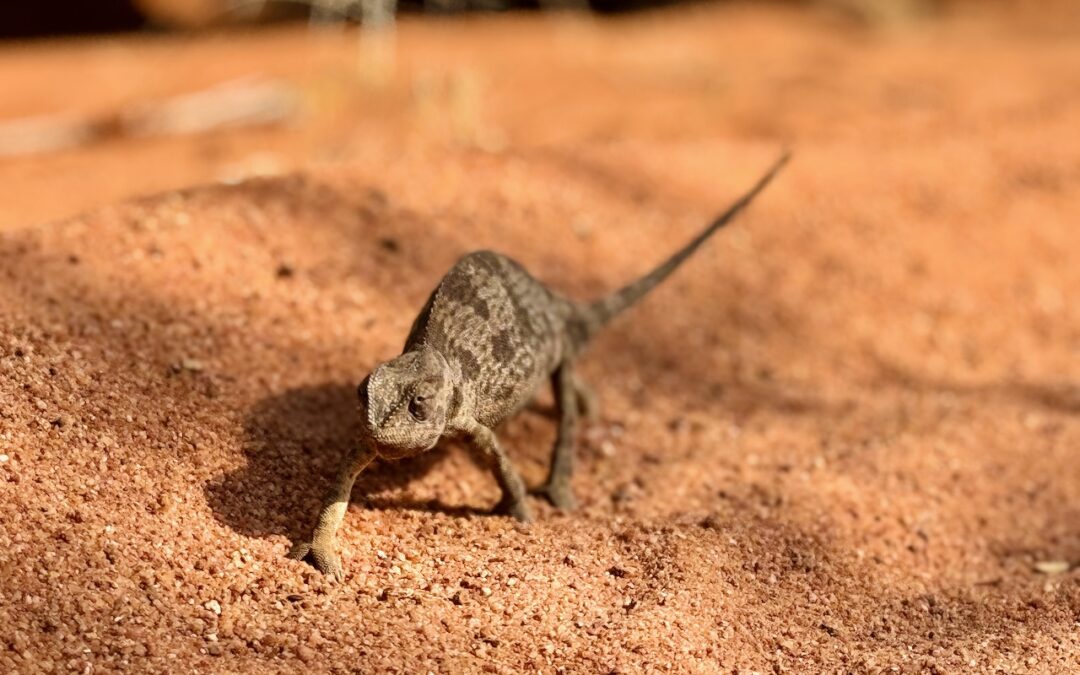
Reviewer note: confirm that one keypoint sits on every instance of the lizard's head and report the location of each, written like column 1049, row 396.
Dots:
column 404, row 403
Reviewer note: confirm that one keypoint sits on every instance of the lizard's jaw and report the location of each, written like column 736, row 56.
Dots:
column 396, row 445
column 393, row 453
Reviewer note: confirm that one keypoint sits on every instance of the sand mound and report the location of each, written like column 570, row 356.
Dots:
column 811, row 453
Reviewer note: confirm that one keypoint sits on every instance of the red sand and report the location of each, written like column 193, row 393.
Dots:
column 840, row 440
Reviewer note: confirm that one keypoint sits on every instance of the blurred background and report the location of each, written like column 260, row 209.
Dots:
column 113, row 98
column 72, row 16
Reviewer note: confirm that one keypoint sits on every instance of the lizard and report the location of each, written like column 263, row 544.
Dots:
column 483, row 344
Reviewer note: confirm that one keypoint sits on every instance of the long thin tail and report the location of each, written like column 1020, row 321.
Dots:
column 602, row 311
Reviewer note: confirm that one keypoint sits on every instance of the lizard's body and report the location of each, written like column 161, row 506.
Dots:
column 500, row 328
column 483, row 344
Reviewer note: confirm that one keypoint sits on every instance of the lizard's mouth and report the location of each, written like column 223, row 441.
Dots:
column 393, row 453
column 386, row 447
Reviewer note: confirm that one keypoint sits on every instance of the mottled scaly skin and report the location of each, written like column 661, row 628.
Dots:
column 486, row 340
column 500, row 328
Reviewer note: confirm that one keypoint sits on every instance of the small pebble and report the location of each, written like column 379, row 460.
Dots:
column 306, row 654
column 1052, row 566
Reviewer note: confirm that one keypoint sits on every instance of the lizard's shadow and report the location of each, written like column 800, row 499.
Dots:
column 293, row 443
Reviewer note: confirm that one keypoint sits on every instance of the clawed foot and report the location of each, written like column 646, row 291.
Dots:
column 322, row 558
column 559, row 494
column 515, row 508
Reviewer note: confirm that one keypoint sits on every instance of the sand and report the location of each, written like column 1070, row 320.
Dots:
column 842, row 439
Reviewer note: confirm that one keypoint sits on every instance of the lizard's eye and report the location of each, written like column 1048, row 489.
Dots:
column 419, row 407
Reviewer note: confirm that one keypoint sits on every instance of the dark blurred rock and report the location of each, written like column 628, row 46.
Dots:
column 55, row 17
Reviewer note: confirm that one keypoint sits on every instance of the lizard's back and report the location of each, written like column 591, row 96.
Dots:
column 502, row 328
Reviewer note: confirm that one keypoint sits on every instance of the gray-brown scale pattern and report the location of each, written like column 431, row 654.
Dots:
column 501, row 328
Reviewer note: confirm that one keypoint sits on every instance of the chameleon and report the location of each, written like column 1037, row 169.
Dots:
column 483, row 344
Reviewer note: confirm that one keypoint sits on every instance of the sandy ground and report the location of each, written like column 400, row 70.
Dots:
column 843, row 439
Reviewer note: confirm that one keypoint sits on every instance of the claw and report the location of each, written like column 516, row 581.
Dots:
column 322, row 558
column 299, row 550
column 518, row 510
column 558, row 494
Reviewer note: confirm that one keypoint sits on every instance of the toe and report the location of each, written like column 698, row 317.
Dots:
column 328, row 563
column 299, row 550
column 517, row 510
column 337, row 573
column 522, row 514
column 560, row 495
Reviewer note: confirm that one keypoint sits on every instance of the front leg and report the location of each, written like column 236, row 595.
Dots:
column 485, row 447
column 320, row 548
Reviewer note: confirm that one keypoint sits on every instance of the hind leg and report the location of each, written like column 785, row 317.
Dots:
column 485, row 447
column 588, row 405
column 557, row 488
